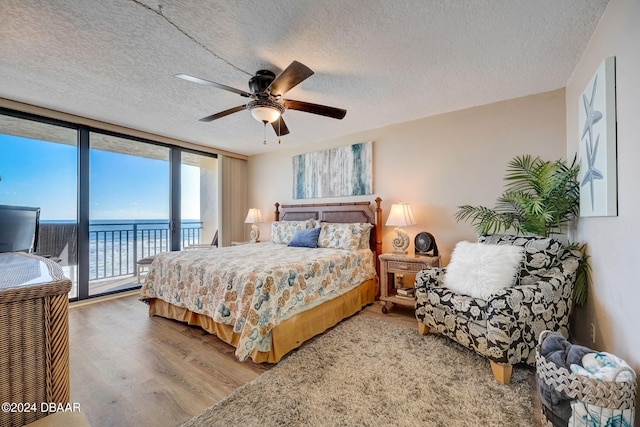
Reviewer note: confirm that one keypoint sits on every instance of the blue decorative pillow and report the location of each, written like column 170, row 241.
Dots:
column 305, row 238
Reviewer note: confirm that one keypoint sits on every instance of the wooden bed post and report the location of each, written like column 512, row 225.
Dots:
column 378, row 233
column 277, row 212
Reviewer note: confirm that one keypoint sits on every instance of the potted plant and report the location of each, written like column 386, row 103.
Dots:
column 541, row 197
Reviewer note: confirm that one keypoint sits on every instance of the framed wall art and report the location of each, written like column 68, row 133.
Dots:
column 597, row 145
column 341, row 171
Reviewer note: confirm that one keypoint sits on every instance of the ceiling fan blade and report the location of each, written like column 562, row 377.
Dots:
column 323, row 110
column 214, row 84
column 223, row 113
column 280, row 127
column 292, row 76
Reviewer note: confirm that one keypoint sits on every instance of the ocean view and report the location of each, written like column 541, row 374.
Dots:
column 116, row 245
column 126, row 197
column 111, row 222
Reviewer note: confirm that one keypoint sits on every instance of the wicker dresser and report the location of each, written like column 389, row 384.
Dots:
column 34, row 337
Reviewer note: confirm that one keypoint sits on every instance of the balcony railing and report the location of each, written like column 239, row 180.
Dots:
column 114, row 247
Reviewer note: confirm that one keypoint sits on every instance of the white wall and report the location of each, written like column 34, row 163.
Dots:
column 613, row 306
column 435, row 164
column 438, row 163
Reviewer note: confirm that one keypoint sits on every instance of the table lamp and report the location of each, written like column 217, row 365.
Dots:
column 400, row 216
column 253, row 217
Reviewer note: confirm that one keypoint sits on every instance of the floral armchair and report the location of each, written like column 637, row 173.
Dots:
column 505, row 327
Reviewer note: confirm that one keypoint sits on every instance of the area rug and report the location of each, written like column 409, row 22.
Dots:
column 370, row 372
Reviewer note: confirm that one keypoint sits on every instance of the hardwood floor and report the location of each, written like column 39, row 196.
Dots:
column 131, row 369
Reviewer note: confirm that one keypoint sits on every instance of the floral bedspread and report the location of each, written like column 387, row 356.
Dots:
column 253, row 287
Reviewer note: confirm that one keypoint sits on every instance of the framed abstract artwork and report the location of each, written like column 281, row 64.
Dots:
column 597, row 145
column 342, row 171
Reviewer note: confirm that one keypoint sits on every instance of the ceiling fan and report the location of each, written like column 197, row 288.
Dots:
column 267, row 104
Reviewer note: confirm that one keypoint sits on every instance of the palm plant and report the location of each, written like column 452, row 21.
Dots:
column 541, row 197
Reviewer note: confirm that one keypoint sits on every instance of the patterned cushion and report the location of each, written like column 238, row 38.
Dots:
column 366, row 236
column 314, row 223
column 282, row 231
column 459, row 305
column 341, row 235
column 540, row 254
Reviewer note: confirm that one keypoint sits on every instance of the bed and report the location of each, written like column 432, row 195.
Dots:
column 266, row 299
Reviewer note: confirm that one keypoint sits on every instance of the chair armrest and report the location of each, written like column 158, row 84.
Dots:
column 429, row 278
column 554, row 285
column 553, row 288
column 517, row 315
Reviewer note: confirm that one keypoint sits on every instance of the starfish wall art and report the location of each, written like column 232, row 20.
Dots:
column 597, row 119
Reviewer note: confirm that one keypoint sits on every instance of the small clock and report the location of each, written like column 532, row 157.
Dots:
column 424, row 243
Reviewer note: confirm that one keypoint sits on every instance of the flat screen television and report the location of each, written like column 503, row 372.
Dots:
column 19, row 227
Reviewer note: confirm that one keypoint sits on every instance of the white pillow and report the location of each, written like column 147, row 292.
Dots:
column 479, row 270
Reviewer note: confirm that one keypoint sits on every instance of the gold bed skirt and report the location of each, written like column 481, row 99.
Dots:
column 289, row 334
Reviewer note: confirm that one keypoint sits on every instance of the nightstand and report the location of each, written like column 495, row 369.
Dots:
column 392, row 264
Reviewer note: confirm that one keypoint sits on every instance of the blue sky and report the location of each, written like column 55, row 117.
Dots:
column 44, row 174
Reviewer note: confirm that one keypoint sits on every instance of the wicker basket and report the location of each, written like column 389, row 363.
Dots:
column 604, row 400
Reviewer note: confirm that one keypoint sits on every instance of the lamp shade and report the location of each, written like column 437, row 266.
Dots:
column 400, row 215
column 254, row 216
column 265, row 114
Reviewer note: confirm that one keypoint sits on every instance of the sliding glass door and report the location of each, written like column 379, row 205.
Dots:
column 128, row 209
column 198, row 198
column 38, row 168
column 107, row 200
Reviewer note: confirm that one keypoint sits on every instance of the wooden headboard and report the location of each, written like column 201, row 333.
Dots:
column 339, row 212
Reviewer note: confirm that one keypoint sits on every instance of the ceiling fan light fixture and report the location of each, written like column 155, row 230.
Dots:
column 267, row 104
column 265, row 114
column 265, row 111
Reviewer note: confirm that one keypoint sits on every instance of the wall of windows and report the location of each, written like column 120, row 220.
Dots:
column 107, row 199
column 39, row 168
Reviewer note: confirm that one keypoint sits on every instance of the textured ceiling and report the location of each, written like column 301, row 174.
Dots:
column 384, row 61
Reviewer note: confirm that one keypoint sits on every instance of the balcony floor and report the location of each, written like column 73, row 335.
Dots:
column 121, row 283
column 102, row 286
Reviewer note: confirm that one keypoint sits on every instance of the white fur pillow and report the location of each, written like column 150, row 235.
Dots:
column 479, row 270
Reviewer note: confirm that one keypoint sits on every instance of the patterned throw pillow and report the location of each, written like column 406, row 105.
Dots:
column 341, row 235
column 282, row 231
column 366, row 236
